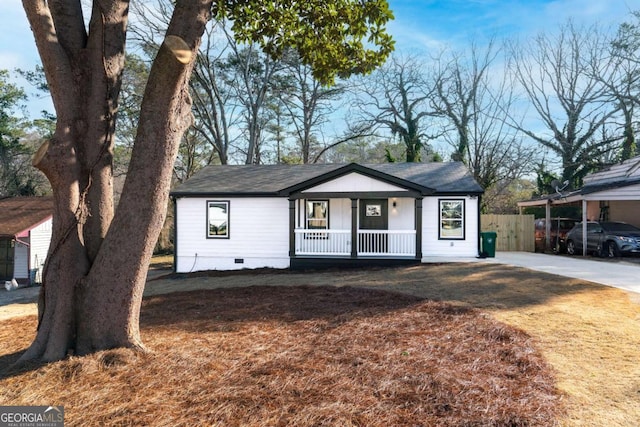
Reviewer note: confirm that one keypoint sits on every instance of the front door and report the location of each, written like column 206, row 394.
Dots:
column 6, row 259
column 374, row 215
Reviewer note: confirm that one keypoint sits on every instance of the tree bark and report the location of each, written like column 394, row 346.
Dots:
column 96, row 269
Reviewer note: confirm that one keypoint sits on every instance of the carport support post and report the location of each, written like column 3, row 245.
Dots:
column 584, row 227
column 547, row 225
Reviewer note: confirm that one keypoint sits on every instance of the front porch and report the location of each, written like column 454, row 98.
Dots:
column 381, row 230
column 333, row 248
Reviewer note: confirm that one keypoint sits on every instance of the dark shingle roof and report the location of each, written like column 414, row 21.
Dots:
column 615, row 176
column 248, row 180
column 19, row 214
column 629, row 170
column 449, row 177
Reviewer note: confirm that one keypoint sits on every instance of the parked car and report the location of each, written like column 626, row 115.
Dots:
column 608, row 239
column 559, row 229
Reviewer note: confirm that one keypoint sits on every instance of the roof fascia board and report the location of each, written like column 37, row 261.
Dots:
column 356, row 195
column 191, row 194
column 595, row 188
column 456, row 193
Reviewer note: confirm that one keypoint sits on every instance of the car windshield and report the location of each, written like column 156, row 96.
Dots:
column 620, row 227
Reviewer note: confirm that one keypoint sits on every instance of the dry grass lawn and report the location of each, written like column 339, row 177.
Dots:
column 323, row 351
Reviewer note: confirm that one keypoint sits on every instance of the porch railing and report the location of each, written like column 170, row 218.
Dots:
column 370, row 242
column 323, row 242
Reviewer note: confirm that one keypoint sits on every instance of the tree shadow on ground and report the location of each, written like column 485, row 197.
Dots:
column 481, row 285
column 226, row 309
column 235, row 306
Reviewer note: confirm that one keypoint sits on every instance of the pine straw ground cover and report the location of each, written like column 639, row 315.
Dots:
column 339, row 356
column 301, row 356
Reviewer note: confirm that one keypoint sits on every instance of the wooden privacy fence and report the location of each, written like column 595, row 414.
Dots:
column 515, row 232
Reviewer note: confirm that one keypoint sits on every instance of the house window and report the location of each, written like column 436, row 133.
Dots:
column 451, row 219
column 217, row 219
column 317, row 218
column 317, row 214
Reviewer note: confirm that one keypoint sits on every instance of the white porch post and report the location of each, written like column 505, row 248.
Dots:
column 292, row 227
column 354, row 228
column 418, row 227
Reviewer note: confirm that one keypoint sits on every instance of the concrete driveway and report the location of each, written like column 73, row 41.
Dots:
column 619, row 273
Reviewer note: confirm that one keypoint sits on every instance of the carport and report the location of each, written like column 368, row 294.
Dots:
column 611, row 194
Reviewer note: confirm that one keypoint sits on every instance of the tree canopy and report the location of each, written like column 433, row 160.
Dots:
column 336, row 38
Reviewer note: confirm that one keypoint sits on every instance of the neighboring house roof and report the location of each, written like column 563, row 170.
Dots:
column 619, row 175
column 281, row 180
column 20, row 214
column 615, row 176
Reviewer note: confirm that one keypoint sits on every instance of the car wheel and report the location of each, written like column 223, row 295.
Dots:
column 571, row 247
column 611, row 250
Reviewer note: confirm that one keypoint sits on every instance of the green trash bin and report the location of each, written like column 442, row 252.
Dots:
column 489, row 243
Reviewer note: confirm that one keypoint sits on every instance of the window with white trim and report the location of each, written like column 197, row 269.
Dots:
column 218, row 219
column 451, row 219
column 317, row 215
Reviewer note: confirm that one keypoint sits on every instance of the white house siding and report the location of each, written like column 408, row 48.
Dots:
column 433, row 246
column 340, row 214
column 258, row 230
column 40, row 238
column 353, row 182
column 402, row 216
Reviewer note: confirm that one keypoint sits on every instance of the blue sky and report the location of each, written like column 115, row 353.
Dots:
column 419, row 25
column 433, row 24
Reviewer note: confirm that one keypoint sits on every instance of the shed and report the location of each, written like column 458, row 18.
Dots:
column 25, row 235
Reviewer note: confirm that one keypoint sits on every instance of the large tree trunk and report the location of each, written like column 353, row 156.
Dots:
column 96, row 268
